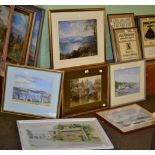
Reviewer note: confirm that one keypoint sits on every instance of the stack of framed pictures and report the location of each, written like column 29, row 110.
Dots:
column 32, row 91
column 82, row 133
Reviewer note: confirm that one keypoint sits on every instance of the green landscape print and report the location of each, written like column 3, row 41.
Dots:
column 77, row 38
column 17, row 37
column 127, row 81
column 4, row 14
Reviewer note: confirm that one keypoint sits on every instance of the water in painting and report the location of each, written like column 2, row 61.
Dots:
column 85, row 90
column 77, row 38
column 17, row 36
column 32, row 90
column 127, row 81
column 4, row 16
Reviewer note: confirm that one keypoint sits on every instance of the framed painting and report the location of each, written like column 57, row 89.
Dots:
column 147, row 31
column 66, row 134
column 77, row 37
column 127, row 44
column 37, row 33
column 21, row 35
column 116, row 21
column 127, row 82
column 32, row 91
column 87, row 90
column 127, row 119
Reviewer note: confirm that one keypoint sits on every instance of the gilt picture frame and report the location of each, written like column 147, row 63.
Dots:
column 32, row 91
column 87, row 90
column 127, row 44
column 20, row 36
column 77, row 37
column 115, row 21
column 66, row 134
column 127, row 119
column 147, row 33
column 127, row 82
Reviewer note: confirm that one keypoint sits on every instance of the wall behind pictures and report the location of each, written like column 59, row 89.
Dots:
column 44, row 60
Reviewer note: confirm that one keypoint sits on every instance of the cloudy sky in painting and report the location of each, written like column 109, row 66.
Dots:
column 33, row 83
column 4, row 13
column 77, row 28
column 20, row 22
column 128, row 75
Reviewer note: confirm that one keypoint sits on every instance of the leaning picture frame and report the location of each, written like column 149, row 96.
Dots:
column 147, row 33
column 66, row 134
column 32, row 91
column 127, row 82
column 115, row 21
column 37, row 33
column 87, row 90
column 127, row 44
column 20, row 36
column 127, row 119
column 77, row 37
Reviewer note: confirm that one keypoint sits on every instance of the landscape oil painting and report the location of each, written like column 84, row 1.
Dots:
column 17, row 36
column 85, row 90
column 4, row 17
column 127, row 81
column 77, row 38
column 31, row 90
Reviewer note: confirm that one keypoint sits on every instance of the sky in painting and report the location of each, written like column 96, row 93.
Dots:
column 77, row 28
column 4, row 13
column 20, row 22
column 33, row 83
column 128, row 75
column 35, row 32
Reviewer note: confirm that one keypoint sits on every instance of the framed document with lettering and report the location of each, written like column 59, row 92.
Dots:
column 147, row 30
column 127, row 44
column 116, row 21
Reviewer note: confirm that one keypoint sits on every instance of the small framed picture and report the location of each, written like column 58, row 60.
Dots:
column 127, row 119
column 6, row 14
column 20, row 36
column 116, row 21
column 127, row 44
column 85, row 90
column 147, row 30
column 77, row 37
column 127, row 82
column 81, row 133
column 37, row 33
column 32, row 91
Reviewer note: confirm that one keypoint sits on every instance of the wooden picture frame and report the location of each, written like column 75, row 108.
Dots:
column 127, row 82
column 37, row 33
column 127, row 119
column 32, row 91
column 147, row 33
column 127, row 44
column 85, row 90
column 63, row 134
column 77, row 37
column 20, row 36
column 115, row 21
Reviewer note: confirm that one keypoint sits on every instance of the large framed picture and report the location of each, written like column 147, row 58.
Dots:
column 127, row 82
column 37, row 33
column 6, row 14
column 116, row 21
column 81, row 133
column 21, row 35
column 32, row 91
column 147, row 30
column 127, row 44
column 85, row 90
column 127, row 119
column 77, row 37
